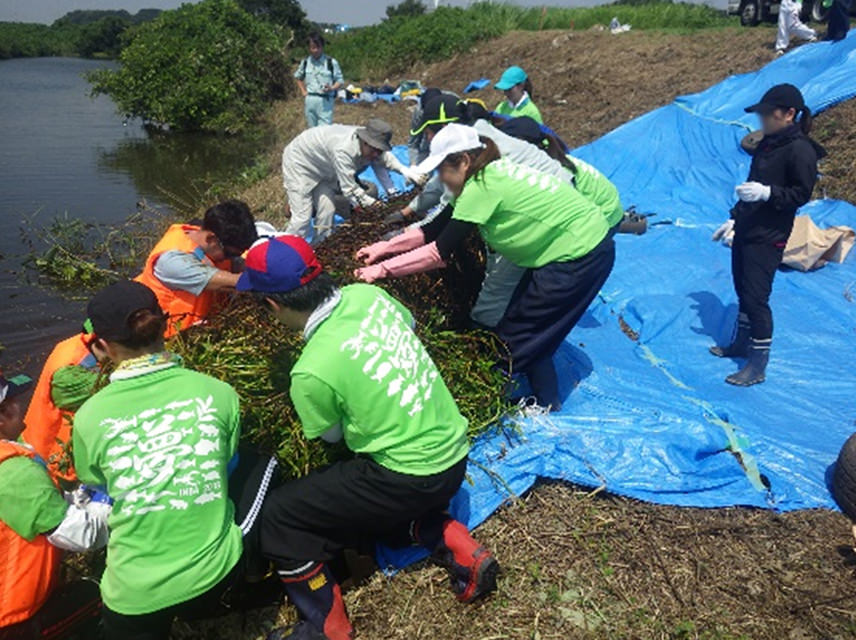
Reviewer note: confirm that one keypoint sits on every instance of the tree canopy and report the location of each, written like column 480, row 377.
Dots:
column 407, row 8
column 208, row 66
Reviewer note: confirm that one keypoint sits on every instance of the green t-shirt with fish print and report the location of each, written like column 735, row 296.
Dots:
column 159, row 439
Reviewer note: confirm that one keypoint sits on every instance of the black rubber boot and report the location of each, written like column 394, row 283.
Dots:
column 545, row 384
column 754, row 371
column 739, row 347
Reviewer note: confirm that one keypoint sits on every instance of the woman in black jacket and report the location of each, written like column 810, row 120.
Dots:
column 781, row 179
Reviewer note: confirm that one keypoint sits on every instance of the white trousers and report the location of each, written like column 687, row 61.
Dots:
column 304, row 200
column 790, row 25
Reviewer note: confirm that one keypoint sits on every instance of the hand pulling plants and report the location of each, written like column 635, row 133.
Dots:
column 238, row 345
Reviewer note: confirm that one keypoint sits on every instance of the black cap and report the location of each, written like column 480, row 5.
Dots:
column 782, row 96
column 428, row 95
column 524, row 128
column 13, row 386
column 441, row 110
column 110, row 309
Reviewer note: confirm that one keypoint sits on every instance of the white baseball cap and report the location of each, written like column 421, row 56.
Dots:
column 453, row 138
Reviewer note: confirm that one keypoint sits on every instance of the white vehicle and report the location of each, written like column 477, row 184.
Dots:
column 753, row 12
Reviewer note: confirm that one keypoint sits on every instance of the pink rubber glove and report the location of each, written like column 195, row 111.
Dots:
column 422, row 259
column 410, row 239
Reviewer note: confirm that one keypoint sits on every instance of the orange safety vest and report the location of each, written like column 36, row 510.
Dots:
column 184, row 308
column 48, row 429
column 30, row 569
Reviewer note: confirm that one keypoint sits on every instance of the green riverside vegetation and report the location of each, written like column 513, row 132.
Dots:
column 215, row 65
column 209, row 66
column 77, row 33
column 401, row 41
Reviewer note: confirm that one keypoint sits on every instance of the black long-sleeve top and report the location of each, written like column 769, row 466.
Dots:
column 787, row 163
column 447, row 232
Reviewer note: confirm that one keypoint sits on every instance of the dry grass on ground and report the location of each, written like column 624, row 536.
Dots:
column 835, row 130
column 577, row 565
column 583, row 566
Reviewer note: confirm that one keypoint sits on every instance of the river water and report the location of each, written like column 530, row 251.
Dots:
column 63, row 153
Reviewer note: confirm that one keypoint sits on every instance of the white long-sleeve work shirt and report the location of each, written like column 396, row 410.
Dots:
column 331, row 153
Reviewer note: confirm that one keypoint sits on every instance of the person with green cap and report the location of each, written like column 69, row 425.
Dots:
column 518, row 95
column 365, row 377
column 36, row 524
column 324, row 161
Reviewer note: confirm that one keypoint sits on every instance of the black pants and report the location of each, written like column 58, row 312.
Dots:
column 546, row 305
column 313, row 518
column 157, row 624
column 70, row 612
column 839, row 20
column 753, row 267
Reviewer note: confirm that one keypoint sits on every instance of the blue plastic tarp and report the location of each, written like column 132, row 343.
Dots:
column 475, row 85
column 653, row 418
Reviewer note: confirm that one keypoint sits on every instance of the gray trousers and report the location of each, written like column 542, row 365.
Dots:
column 500, row 281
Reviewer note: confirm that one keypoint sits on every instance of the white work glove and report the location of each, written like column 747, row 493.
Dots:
column 266, row 230
column 414, row 177
column 365, row 201
column 753, row 192
column 85, row 524
column 723, row 231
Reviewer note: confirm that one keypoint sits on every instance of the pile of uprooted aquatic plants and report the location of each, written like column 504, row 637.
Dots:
column 245, row 347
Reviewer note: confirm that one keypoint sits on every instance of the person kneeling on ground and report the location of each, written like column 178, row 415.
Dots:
column 533, row 219
column 161, row 439
column 191, row 264
column 324, row 161
column 363, row 376
column 49, row 416
column 781, row 179
column 36, row 524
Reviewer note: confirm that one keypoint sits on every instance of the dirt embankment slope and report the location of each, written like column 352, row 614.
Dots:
column 583, row 566
column 588, row 83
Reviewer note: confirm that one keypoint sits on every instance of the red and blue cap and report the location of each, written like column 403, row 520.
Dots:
column 279, row 265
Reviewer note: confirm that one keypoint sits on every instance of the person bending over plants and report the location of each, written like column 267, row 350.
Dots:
column 365, row 377
column 533, row 219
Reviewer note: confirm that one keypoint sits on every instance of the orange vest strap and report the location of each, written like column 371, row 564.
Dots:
column 31, row 568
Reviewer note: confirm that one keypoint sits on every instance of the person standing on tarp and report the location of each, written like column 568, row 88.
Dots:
column 319, row 77
column 781, row 179
column 839, row 20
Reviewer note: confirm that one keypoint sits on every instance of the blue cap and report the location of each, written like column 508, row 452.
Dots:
column 510, row 77
column 279, row 265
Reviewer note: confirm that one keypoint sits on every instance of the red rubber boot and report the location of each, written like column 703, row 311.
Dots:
column 471, row 567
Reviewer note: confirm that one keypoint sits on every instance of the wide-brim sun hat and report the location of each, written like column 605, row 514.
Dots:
column 377, row 134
